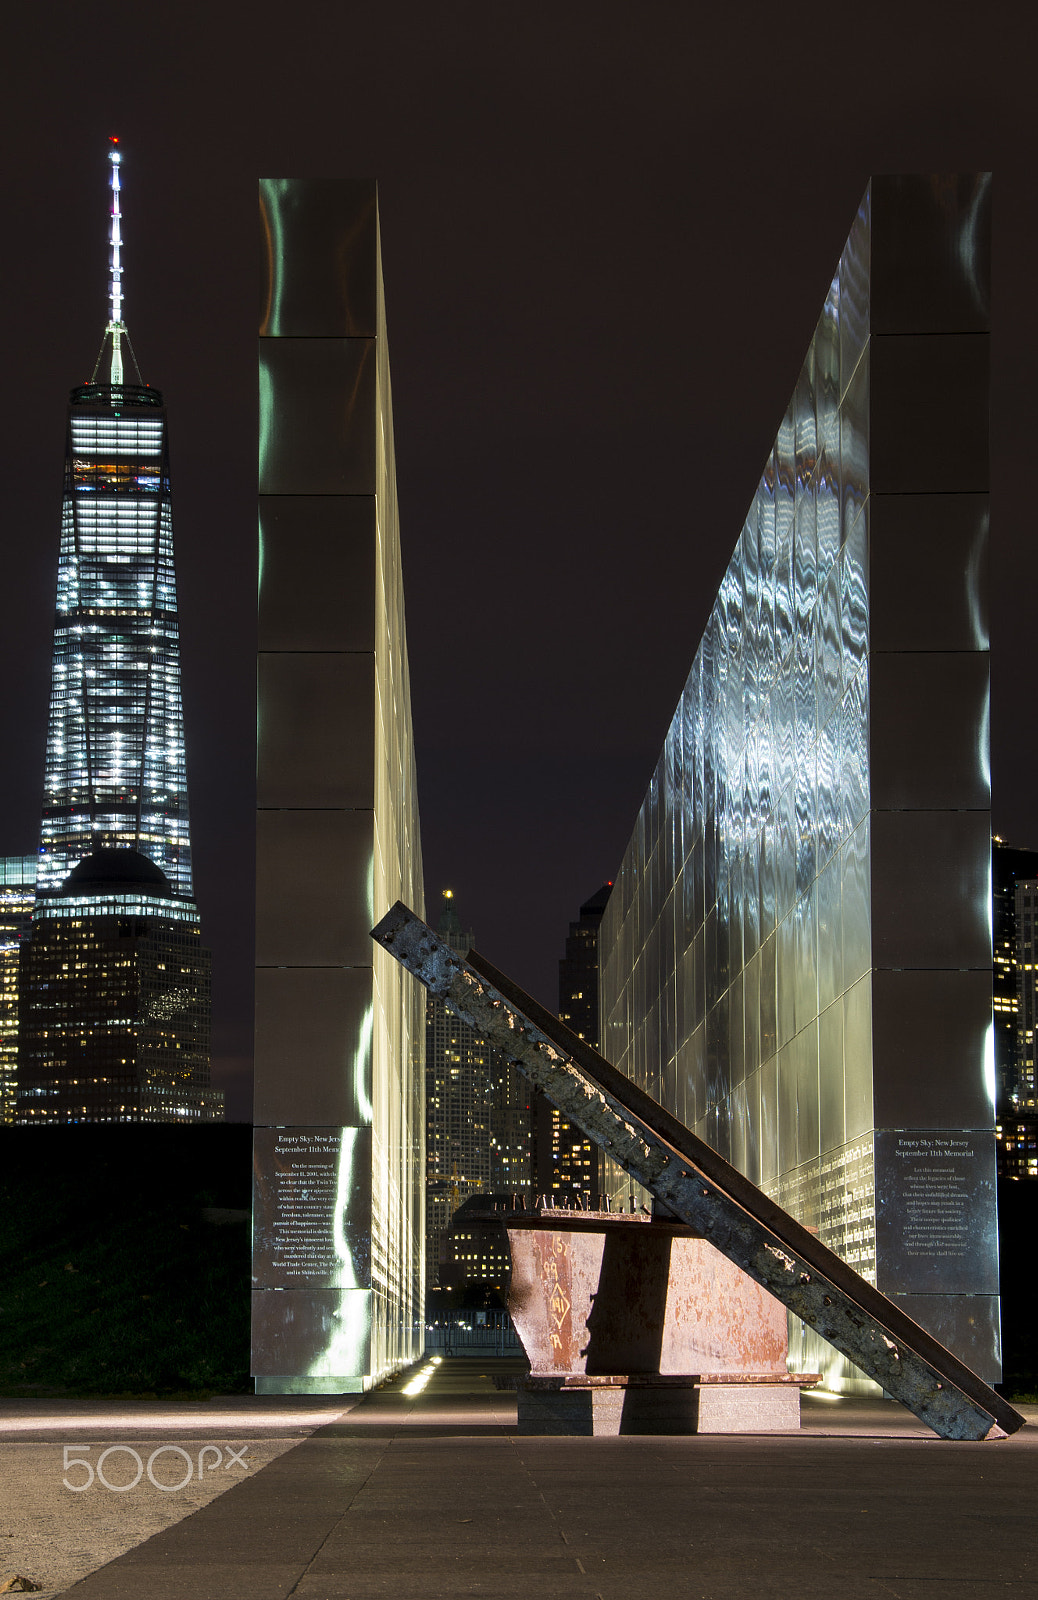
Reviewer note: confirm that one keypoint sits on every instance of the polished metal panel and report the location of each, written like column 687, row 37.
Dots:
column 318, row 257
column 856, row 891
column 929, row 571
column 807, row 1112
column 314, row 892
column 857, row 1058
column 340, row 1029
column 855, row 279
column 930, row 744
column 314, row 1030
column 317, row 416
column 969, row 1323
column 931, row 1037
column 931, row 253
column 831, row 1106
column 829, row 965
column 855, row 461
column 317, row 572
column 931, row 902
column 929, row 416
column 316, row 715
column 833, row 799
column 786, row 1069
column 312, row 1334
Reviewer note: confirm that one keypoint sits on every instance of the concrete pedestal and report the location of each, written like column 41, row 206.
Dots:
column 636, row 1404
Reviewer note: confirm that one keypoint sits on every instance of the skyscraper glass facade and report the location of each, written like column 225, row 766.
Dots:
column 796, row 958
column 115, row 767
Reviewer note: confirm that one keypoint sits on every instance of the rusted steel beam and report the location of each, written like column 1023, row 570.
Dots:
column 705, row 1191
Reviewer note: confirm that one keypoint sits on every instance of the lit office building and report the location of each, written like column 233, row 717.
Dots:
column 567, row 1164
column 17, row 895
column 477, row 1111
column 1013, row 871
column 338, row 1237
column 1025, row 907
column 115, row 1027
column 797, row 956
column 114, row 842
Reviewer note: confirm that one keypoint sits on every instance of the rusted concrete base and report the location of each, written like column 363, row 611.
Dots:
column 594, row 1407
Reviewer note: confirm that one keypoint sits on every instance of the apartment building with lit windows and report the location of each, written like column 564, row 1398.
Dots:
column 477, row 1134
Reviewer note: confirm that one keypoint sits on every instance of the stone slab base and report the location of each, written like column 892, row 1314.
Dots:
column 611, row 1409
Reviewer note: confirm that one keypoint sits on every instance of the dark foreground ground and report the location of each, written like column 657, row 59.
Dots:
column 437, row 1496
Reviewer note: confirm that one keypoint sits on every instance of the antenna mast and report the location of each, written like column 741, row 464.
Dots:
column 116, row 326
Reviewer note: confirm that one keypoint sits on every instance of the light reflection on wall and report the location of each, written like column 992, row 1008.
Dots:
column 340, row 1027
column 754, row 911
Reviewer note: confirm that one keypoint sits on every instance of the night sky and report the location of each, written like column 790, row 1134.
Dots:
column 607, row 233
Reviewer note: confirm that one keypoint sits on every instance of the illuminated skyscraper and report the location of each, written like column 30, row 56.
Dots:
column 567, row 1164
column 17, row 893
column 477, row 1114
column 114, row 868
column 115, row 772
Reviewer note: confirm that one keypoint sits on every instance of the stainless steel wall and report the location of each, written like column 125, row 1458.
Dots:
column 339, row 1142
column 797, row 956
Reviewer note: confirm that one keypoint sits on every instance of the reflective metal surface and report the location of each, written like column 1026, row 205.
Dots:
column 314, row 1028
column 317, row 572
column 317, row 728
column 931, row 903
column 340, row 1029
column 932, row 1027
column 314, row 887
column 926, row 753
column 929, row 572
column 826, row 777
column 317, row 416
column 931, row 253
column 929, row 413
column 318, row 257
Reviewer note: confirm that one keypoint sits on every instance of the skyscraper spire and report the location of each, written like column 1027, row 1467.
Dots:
column 116, row 333
column 115, row 282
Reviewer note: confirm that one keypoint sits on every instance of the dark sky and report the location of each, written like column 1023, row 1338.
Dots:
column 607, row 233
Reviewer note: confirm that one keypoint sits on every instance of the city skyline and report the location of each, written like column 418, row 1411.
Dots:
column 573, row 295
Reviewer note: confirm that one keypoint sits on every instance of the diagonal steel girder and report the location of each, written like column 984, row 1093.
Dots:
column 704, row 1190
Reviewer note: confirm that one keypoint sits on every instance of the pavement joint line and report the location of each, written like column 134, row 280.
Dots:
column 338, row 1524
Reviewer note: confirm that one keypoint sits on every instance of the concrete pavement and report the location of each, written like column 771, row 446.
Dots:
column 435, row 1495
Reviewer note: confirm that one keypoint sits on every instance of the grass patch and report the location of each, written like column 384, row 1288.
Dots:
column 112, row 1279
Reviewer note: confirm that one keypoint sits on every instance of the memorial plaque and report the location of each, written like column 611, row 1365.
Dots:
column 311, row 1208
column 936, row 1222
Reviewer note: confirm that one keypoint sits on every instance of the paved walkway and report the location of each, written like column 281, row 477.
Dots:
column 436, row 1496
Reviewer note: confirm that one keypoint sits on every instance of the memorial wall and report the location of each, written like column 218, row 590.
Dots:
column 796, row 958
column 338, row 1212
